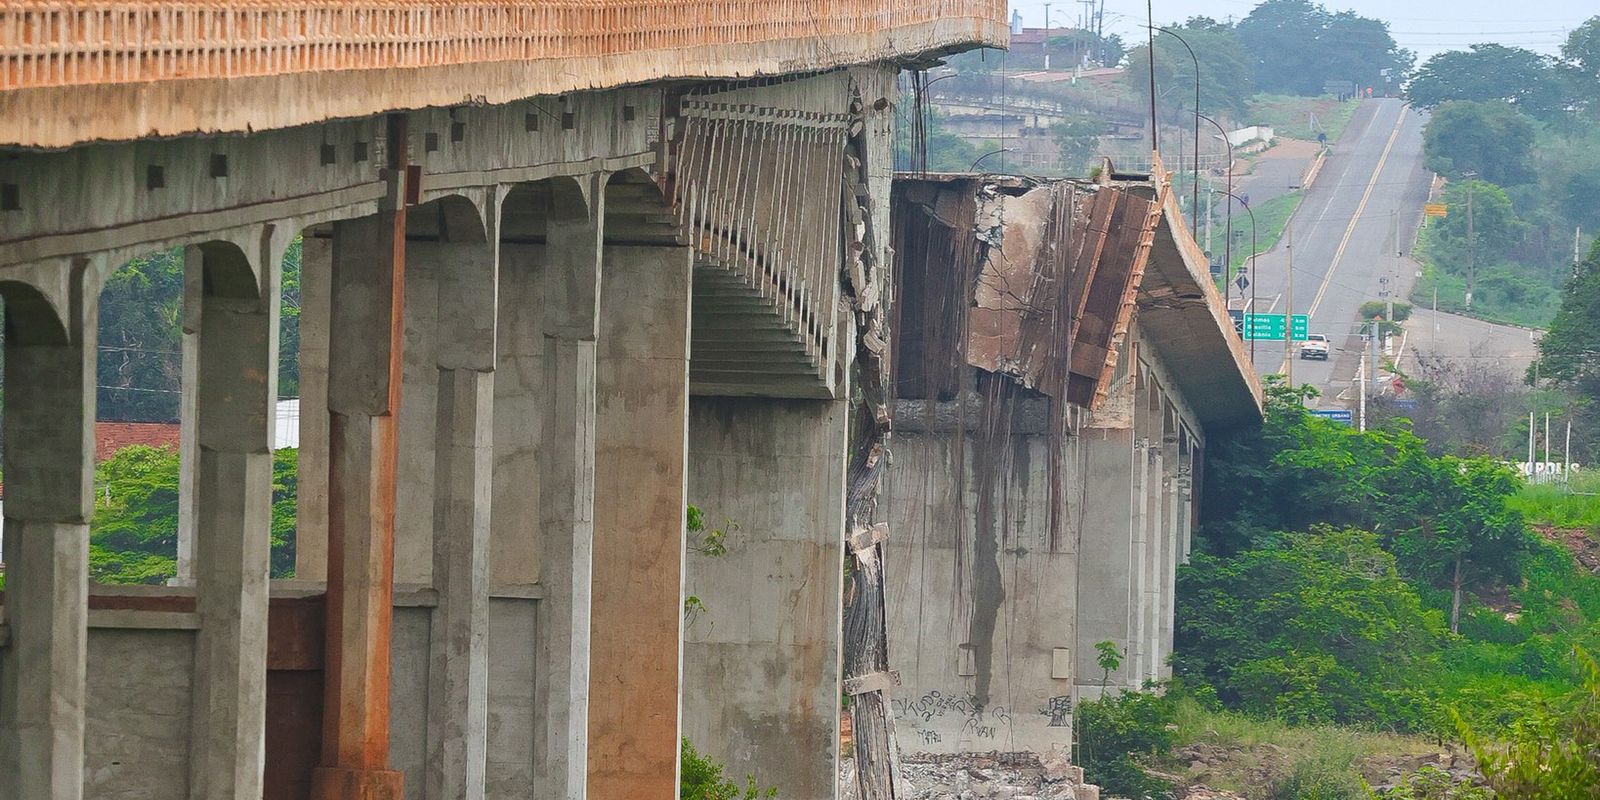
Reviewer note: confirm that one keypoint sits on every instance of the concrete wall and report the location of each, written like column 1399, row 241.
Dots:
column 981, row 577
column 136, row 735
column 1013, row 552
column 761, row 662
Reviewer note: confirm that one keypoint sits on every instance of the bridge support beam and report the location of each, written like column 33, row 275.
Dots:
column 642, row 374
column 363, row 398
column 49, row 434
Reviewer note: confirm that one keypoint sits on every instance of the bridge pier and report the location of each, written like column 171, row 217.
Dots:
column 761, row 659
column 642, row 395
column 49, row 466
column 364, row 376
column 235, row 390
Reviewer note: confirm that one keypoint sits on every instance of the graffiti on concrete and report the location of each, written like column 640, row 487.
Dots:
column 977, row 720
column 1059, row 710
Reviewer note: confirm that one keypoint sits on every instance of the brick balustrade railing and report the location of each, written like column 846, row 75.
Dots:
column 45, row 43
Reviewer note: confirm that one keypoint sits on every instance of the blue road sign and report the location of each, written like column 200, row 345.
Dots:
column 1335, row 414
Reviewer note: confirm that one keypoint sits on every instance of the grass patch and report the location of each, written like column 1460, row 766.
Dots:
column 1256, row 757
column 1498, row 297
column 1291, row 116
column 1575, row 507
column 1272, row 217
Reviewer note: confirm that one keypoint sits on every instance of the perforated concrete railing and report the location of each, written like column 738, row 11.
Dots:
column 65, row 43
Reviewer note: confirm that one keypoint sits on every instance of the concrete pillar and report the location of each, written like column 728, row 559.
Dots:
column 235, row 393
column 1171, row 501
column 642, row 374
column 1155, row 564
column 458, row 669
column 368, row 291
column 311, row 484
column 1105, row 554
column 49, row 469
column 761, row 662
column 188, row 422
column 566, row 498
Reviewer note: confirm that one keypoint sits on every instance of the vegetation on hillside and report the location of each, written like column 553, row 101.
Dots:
column 1519, row 128
column 1318, row 607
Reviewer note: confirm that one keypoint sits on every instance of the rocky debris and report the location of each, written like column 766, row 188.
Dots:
column 1200, row 791
column 984, row 776
column 1385, row 773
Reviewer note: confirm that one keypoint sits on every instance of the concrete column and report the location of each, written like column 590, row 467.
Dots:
column 1155, row 564
column 566, row 498
column 49, row 469
column 311, row 507
column 235, row 393
column 368, row 291
column 642, row 374
column 761, row 663
column 1105, row 554
column 458, row 670
column 188, row 421
column 1172, row 501
column 1139, row 557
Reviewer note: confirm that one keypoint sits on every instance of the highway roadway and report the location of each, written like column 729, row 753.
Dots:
column 1349, row 241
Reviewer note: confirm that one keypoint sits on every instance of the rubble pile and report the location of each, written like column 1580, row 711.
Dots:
column 984, row 776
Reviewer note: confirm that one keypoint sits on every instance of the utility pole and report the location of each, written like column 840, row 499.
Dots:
column 1372, row 373
column 1288, row 311
column 1472, row 239
column 1566, row 459
column 1208, row 218
column 1394, row 273
column 1547, row 437
column 1045, row 42
column 1577, row 233
column 1530, row 446
column 1361, row 387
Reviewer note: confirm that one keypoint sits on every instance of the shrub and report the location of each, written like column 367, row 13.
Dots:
column 1319, row 779
column 701, row 778
column 1378, row 308
column 1115, row 730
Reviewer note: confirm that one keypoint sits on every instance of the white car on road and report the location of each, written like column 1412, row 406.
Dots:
column 1315, row 346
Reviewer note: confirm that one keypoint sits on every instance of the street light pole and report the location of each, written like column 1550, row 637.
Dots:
column 1227, row 246
column 1252, row 304
column 1194, row 213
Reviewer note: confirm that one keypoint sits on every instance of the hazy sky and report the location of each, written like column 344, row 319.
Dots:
column 1424, row 26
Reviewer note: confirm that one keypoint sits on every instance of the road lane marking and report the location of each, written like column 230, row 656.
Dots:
column 1350, row 230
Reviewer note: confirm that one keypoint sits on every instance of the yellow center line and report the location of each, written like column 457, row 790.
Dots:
column 1350, row 230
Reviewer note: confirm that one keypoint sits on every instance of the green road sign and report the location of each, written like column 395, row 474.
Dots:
column 1271, row 326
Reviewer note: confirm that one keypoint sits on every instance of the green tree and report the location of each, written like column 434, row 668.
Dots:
column 1569, row 352
column 1297, row 46
column 1310, row 627
column 140, row 365
column 1496, row 229
column 134, row 534
column 1486, row 72
column 1492, row 139
column 1078, row 140
column 1581, row 53
column 1226, row 79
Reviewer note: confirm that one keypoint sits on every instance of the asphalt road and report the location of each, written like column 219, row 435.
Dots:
column 1344, row 237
